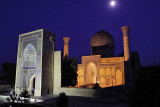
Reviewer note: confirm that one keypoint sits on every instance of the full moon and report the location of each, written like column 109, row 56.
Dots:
column 112, row 3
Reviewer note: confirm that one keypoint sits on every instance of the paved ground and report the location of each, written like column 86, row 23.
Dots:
column 110, row 101
column 86, row 104
column 50, row 101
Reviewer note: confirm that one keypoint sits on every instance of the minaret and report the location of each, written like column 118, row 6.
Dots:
column 125, row 31
column 66, row 47
column 127, row 69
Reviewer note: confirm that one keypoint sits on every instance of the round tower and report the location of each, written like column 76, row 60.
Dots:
column 127, row 69
column 125, row 31
column 66, row 45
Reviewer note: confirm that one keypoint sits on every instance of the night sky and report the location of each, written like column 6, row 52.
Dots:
column 80, row 20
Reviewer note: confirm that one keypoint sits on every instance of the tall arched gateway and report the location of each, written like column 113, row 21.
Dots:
column 91, row 74
column 29, row 66
column 35, row 62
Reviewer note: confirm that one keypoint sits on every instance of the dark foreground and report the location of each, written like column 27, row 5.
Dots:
column 117, row 100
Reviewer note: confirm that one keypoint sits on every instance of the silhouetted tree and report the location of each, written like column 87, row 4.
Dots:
column 69, row 71
column 145, row 92
column 9, row 71
column 74, row 66
column 16, row 100
column 62, row 100
column 26, row 96
column 65, row 71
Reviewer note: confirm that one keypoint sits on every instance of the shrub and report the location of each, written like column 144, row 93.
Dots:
column 62, row 100
column 96, row 86
column 13, row 98
column 18, row 100
column 25, row 96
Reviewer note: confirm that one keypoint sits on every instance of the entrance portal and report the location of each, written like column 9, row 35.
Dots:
column 91, row 75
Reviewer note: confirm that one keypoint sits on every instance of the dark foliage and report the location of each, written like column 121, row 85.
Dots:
column 26, row 96
column 96, row 86
column 21, row 100
column 145, row 92
column 13, row 98
column 9, row 71
column 62, row 100
column 69, row 71
column 65, row 71
column 74, row 66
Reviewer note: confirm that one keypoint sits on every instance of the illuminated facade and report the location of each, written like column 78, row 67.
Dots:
column 105, row 71
column 102, row 67
column 34, row 62
column 39, row 65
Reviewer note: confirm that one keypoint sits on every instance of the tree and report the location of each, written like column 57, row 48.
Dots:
column 65, row 71
column 145, row 92
column 62, row 100
column 21, row 100
column 74, row 66
column 9, row 70
column 69, row 71
column 26, row 96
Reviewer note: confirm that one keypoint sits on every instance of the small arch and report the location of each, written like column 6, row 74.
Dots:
column 102, row 82
column 107, row 82
column 113, row 72
column 108, row 72
column 114, row 82
column 110, row 81
column 80, row 81
column 102, row 72
column 80, row 72
column 118, row 77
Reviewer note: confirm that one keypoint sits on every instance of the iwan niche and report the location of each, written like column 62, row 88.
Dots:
column 35, row 62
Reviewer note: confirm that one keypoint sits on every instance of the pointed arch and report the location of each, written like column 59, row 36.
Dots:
column 80, row 81
column 108, row 72
column 29, row 56
column 81, row 72
column 102, row 72
column 102, row 82
column 91, row 74
column 31, row 82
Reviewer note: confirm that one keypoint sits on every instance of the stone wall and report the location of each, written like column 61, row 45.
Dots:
column 6, row 88
column 76, row 91
column 87, row 92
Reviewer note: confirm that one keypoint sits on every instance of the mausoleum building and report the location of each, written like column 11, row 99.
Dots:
column 102, row 67
column 39, row 65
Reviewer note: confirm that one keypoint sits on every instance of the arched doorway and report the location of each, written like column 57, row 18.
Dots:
column 91, row 74
column 32, row 84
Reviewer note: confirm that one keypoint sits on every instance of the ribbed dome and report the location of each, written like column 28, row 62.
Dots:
column 102, row 38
